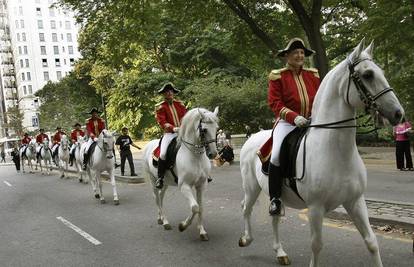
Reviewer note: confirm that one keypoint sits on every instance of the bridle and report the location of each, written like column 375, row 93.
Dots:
column 199, row 148
column 103, row 148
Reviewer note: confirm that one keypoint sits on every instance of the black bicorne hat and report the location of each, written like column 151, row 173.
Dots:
column 77, row 124
column 58, row 128
column 293, row 44
column 94, row 110
column 166, row 87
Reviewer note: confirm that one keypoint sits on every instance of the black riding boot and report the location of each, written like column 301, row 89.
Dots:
column 275, row 189
column 85, row 161
column 159, row 183
column 71, row 158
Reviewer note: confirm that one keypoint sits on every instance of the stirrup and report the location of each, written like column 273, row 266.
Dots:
column 276, row 207
column 159, row 183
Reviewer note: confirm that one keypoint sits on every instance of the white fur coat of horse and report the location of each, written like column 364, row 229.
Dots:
column 197, row 138
column 30, row 155
column 63, row 155
column 334, row 171
column 45, row 160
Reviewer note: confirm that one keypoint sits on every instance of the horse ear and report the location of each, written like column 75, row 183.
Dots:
column 216, row 110
column 357, row 51
column 369, row 49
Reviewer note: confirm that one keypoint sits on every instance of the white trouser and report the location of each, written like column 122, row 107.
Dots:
column 72, row 148
column 38, row 148
column 87, row 145
column 282, row 129
column 54, row 148
column 166, row 140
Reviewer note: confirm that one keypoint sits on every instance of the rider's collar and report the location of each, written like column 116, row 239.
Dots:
column 290, row 67
column 169, row 101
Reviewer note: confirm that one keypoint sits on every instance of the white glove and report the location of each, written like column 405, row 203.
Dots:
column 176, row 129
column 301, row 121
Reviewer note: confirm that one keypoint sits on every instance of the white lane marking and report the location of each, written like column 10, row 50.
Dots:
column 7, row 183
column 79, row 231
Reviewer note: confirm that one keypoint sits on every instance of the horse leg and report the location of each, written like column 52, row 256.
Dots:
column 250, row 196
column 200, row 226
column 316, row 219
column 195, row 208
column 159, row 200
column 113, row 183
column 93, row 184
column 99, row 185
column 281, row 255
column 359, row 214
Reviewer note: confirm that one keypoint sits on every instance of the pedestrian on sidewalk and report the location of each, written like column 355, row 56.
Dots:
column 3, row 156
column 124, row 142
column 16, row 158
column 402, row 146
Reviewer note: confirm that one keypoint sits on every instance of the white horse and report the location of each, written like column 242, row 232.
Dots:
column 77, row 160
column 192, row 166
column 45, row 156
column 102, row 159
column 334, row 173
column 30, row 155
column 63, row 155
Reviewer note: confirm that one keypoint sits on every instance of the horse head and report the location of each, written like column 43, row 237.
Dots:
column 368, row 87
column 106, row 143
column 64, row 142
column 202, row 134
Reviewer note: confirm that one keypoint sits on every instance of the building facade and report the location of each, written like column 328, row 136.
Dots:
column 44, row 47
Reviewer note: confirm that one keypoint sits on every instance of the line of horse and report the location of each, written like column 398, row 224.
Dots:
column 333, row 171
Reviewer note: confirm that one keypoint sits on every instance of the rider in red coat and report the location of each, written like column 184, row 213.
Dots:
column 57, row 137
column 41, row 136
column 74, row 138
column 26, row 139
column 94, row 126
column 168, row 114
column 290, row 96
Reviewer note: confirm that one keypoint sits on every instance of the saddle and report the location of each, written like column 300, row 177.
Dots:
column 170, row 158
column 288, row 154
column 90, row 151
column 24, row 151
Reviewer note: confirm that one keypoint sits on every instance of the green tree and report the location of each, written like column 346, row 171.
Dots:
column 15, row 120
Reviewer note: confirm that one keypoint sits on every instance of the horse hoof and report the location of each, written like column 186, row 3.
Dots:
column 116, row 202
column 167, row 226
column 159, row 221
column 204, row 237
column 244, row 242
column 80, row 180
column 103, row 201
column 181, row 227
column 97, row 196
column 283, row 260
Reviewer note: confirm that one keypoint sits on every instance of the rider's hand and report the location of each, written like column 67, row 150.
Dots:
column 176, row 129
column 301, row 121
column 167, row 125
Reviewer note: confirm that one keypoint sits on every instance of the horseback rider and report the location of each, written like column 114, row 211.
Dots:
column 39, row 141
column 57, row 137
column 25, row 140
column 168, row 114
column 94, row 126
column 290, row 96
column 74, row 138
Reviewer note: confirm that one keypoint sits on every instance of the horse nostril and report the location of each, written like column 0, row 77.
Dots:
column 398, row 115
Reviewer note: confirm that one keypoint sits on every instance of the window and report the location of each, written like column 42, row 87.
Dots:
column 36, row 104
column 57, row 62
column 27, row 62
column 46, row 76
column 43, row 50
column 24, row 90
column 54, row 37
column 44, row 62
column 37, row 1
column 29, row 77
column 35, row 121
column 25, row 50
column 22, row 24
column 56, row 50
column 67, row 25
column 60, row 24
column 61, row 37
column 30, row 89
column 59, row 75
column 72, row 61
column 18, row 37
column 69, row 37
column 63, row 49
column 70, row 50
column 51, row 12
column 64, row 61
column 41, row 37
column 40, row 24
column 23, row 77
column 38, row 11
column 53, row 24
column 17, row 24
column 21, row 63
column 20, row 50
column 20, row 10
column 24, row 37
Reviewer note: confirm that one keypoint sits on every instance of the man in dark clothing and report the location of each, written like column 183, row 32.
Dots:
column 16, row 158
column 124, row 142
column 3, row 156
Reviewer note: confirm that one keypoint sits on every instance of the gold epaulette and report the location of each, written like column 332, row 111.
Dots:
column 158, row 105
column 313, row 70
column 276, row 74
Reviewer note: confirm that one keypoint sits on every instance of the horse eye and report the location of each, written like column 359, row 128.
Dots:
column 368, row 75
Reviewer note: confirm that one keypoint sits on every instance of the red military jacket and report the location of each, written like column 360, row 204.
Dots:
column 57, row 137
column 40, row 137
column 75, row 133
column 26, row 140
column 170, row 113
column 291, row 94
column 94, row 127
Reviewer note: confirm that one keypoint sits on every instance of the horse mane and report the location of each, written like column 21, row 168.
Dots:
column 191, row 119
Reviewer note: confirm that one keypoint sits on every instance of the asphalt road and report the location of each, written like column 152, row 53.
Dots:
column 32, row 235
